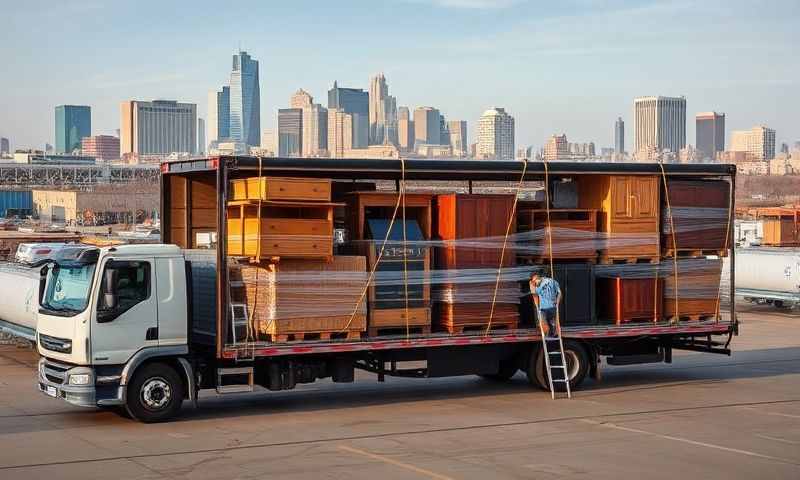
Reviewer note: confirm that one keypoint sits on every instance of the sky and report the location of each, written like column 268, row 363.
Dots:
column 571, row 66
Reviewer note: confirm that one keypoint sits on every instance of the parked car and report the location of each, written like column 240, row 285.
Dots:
column 34, row 252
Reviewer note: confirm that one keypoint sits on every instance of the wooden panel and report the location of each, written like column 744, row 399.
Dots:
column 691, row 307
column 203, row 193
column 292, row 248
column 451, row 315
column 620, row 198
column 418, row 207
column 204, row 217
column 177, row 191
column 696, row 227
column 630, row 300
column 177, row 217
column 296, row 226
column 274, row 188
column 645, row 197
column 178, row 237
column 566, row 244
column 396, row 317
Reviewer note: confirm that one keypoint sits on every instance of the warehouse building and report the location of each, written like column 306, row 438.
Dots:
column 97, row 207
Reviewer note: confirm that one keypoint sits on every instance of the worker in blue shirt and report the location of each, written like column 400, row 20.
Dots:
column 547, row 296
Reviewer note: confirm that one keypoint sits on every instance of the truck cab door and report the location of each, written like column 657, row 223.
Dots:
column 126, row 315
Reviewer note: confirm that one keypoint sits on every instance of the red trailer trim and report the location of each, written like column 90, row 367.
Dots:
column 518, row 336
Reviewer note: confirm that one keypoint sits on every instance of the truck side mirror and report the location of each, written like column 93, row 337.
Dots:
column 110, row 296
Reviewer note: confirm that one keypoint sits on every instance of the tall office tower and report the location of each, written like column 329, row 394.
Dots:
column 382, row 112
column 427, row 126
column 201, row 136
column 619, row 136
column 405, row 129
column 784, row 147
column 268, row 142
column 458, row 137
column 758, row 142
column 444, row 131
column 710, row 134
column 354, row 101
column 73, row 122
column 245, row 100
column 159, row 127
column 496, row 135
column 219, row 115
column 660, row 123
column 5, row 146
column 557, row 148
column 315, row 130
column 301, row 99
column 290, row 132
column 103, row 148
column 340, row 132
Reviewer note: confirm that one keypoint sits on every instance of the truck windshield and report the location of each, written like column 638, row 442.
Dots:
column 67, row 289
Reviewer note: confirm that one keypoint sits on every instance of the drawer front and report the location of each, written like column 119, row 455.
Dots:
column 297, row 226
column 397, row 316
column 298, row 189
column 296, row 248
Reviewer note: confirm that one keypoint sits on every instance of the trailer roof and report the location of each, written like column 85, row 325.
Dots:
column 427, row 169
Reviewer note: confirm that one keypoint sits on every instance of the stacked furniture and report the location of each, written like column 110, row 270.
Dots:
column 472, row 228
column 302, row 299
column 573, row 233
column 577, row 306
column 629, row 214
column 693, row 294
column 280, row 218
column 700, row 215
column 369, row 217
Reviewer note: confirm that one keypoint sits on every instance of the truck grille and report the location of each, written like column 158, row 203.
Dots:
column 55, row 372
column 55, row 344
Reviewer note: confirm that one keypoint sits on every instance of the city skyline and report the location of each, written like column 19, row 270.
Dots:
column 474, row 66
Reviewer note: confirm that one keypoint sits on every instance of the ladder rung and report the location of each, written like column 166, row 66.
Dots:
column 563, row 367
column 559, row 380
column 554, row 353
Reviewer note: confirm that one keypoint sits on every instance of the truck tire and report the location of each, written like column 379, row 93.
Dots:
column 507, row 369
column 155, row 394
column 577, row 366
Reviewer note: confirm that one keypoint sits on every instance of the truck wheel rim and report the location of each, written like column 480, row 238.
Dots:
column 156, row 393
column 573, row 364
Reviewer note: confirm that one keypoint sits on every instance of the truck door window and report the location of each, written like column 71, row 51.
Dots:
column 132, row 285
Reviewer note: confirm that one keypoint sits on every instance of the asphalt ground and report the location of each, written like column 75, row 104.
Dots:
column 704, row 416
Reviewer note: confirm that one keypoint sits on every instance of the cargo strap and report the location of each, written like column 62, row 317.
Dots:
column 674, row 251
column 511, row 218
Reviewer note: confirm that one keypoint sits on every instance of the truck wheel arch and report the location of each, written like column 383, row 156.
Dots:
column 173, row 356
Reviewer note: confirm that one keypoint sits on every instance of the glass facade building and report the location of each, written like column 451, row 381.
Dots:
column 354, row 101
column 245, row 101
column 290, row 132
column 73, row 122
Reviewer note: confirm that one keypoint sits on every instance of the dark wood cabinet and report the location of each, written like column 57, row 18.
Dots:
column 567, row 240
column 577, row 306
column 626, row 300
column 700, row 214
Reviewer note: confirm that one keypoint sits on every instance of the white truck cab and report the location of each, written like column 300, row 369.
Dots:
column 112, row 329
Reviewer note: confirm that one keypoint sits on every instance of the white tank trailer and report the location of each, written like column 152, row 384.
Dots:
column 768, row 275
column 19, row 299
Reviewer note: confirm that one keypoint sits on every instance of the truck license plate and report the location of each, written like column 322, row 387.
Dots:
column 51, row 391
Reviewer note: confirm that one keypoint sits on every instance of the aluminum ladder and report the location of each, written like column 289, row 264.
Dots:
column 554, row 353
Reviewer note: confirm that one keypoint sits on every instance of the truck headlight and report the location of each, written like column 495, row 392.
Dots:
column 80, row 379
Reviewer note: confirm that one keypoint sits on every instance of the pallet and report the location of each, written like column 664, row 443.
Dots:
column 478, row 327
column 697, row 317
column 308, row 336
column 387, row 331
column 606, row 260
column 639, row 320
column 695, row 253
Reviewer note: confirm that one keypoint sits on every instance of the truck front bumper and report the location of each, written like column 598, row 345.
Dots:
column 54, row 381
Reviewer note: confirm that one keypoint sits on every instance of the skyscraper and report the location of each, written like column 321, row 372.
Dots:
column 73, row 122
column 301, row 99
column 496, row 135
column 201, row 136
column 219, row 115
column 458, row 137
column 245, row 100
column 619, row 136
column 758, row 143
column 557, row 148
column 354, row 101
column 660, row 123
column 157, row 128
column 382, row 112
column 290, row 132
column 427, row 126
column 405, row 129
column 340, row 132
column 104, row 148
column 709, row 134
column 5, row 146
column 315, row 130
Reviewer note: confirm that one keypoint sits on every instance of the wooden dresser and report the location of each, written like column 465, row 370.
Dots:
column 700, row 215
column 628, row 300
column 567, row 240
column 629, row 212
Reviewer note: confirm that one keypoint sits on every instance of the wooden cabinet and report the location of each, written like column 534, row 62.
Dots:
column 700, row 215
column 483, row 218
column 281, row 189
column 626, row 300
column 629, row 212
column 781, row 226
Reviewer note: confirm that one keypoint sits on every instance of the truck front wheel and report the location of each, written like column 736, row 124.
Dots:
column 155, row 394
column 577, row 365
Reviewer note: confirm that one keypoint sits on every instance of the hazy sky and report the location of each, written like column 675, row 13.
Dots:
column 571, row 66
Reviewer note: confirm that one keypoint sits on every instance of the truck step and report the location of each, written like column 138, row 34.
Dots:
column 235, row 380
